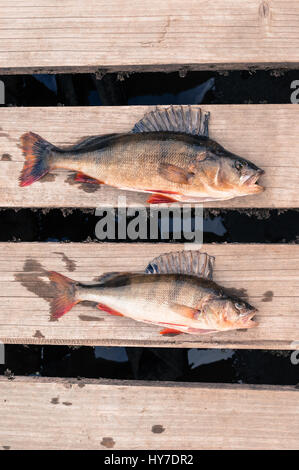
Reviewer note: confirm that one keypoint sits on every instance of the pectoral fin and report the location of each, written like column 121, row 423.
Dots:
column 160, row 199
column 175, row 174
column 186, row 312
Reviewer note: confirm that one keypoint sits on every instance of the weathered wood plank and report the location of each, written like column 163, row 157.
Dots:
column 49, row 36
column 133, row 415
column 267, row 274
column 265, row 134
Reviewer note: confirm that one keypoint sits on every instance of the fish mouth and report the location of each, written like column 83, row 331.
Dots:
column 246, row 320
column 251, row 181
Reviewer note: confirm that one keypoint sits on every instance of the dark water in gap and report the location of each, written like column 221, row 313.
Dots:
column 225, row 87
column 73, row 225
column 190, row 365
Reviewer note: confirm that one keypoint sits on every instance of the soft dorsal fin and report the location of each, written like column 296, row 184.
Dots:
column 191, row 262
column 186, row 119
column 114, row 279
column 91, row 142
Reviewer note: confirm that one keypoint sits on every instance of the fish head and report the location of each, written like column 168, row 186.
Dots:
column 226, row 174
column 226, row 313
column 241, row 174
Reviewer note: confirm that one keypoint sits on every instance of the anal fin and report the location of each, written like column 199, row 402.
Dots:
column 82, row 178
column 109, row 310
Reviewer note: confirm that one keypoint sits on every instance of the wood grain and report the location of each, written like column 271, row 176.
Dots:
column 268, row 275
column 265, row 134
column 47, row 413
column 48, row 35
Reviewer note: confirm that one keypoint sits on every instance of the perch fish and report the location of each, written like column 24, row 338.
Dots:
column 168, row 153
column 176, row 292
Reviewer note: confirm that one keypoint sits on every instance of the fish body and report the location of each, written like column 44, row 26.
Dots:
column 179, row 302
column 172, row 164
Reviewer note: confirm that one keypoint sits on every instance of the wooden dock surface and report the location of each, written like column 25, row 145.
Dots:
column 266, row 275
column 45, row 413
column 53, row 36
column 50, row 36
column 265, row 134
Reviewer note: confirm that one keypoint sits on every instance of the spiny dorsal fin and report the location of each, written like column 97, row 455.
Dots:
column 186, row 119
column 191, row 262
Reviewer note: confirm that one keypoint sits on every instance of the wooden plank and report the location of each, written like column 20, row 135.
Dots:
column 47, row 413
column 267, row 274
column 46, row 35
column 265, row 134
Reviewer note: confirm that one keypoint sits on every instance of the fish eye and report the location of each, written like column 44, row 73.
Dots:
column 239, row 306
column 239, row 165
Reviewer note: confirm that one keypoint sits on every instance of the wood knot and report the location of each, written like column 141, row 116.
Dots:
column 108, row 442
column 158, row 429
column 264, row 10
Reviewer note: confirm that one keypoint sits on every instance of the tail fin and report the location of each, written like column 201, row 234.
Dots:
column 65, row 297
column 36, row 151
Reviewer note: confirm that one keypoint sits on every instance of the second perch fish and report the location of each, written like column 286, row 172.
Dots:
column 176, row 292
column 168, row 154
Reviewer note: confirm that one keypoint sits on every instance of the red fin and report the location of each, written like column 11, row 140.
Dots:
column 162, row 192
column 170, row 331
column 172, row 324
column 200, row 331
column 176, row 174
column 36, row 151
column 81, row 178
column 184, row 311
column 65, row 297
column 109, row 310
column 160, row 199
